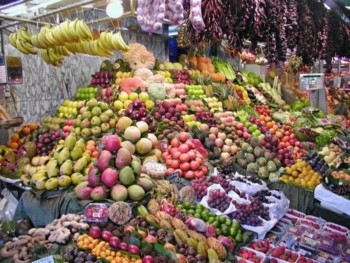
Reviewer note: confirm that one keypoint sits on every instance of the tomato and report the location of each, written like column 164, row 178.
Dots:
column 189, row 175
column 175, row 142
column 183, row 136
column 165, row 155
column 175, row 164
column 185, row 167
column 194, row 165
column 169, row 162
column 184, row 148
column 176, row 154
column 205, row 170
column 174, row 150
column 192, row 154
column 169, row 149
column 184, row 157
column 189, row 144
column 199, row 160
column 199, row 174
column 169, row 171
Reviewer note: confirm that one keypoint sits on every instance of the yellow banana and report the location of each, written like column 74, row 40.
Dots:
column 109, row 36
column 80, row 30
column 115, row 42
column 43, row 41
column 104, row 52
column 80, row 48
column 12, row 39
column 88, row 48
column 24, row 34
column 64, row 51
column 124, row 46
column 87, row 31
column 29, row 47
column 103, row 39
column 55, row 32
column 71, row 47
column 19, row 45
column 53, row 56
column 67, row 31
column 45, row 56
column 35, row 41
column 58, row 63
column 50, row 38
column 63, row 31
column 73, row 29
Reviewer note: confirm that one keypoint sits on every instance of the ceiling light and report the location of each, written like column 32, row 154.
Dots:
column 327, row 6
column 115, row 9
column 88, row 6
column 347, row 6
column 14, row 9
column 44, row 4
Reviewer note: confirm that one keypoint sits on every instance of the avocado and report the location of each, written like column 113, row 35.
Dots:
column 216, row 152
column 209, row 144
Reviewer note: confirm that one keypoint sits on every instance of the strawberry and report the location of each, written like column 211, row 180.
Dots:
column 294, row 256
column 245, row 255
column 242, row 261
column 281, row 250
column 267, row 244
column 275, row 253
column 290, row 260
column 273, row 260
column 283, row 257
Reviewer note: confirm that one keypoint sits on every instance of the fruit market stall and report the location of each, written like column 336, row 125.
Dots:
column 190, row 161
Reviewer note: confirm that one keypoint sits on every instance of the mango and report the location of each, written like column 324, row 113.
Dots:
column 123, row 158
column 126, row 176
column 70, row 141
column 103, row 160
column 66, row 168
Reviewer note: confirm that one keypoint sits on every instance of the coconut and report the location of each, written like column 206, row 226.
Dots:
column 262, row 161
column 258, row 152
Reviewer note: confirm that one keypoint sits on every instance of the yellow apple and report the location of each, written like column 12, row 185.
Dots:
column 133, row 96
column 118, row 104
column 123, row 96
column 149, row 104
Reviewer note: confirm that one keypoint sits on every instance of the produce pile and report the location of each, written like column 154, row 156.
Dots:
column 173, row 163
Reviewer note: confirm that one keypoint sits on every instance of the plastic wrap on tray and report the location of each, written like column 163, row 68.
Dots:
column 328, row 246
column 336, row 227
column 315, row 219
column 296, row 213
column 252, row 255
column 282, row 254
column 309, row 223
column 309, row 244
column 324, row 257
column 346, row 253
column 96, row 212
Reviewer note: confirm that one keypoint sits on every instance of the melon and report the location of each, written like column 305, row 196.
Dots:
column 130, row 85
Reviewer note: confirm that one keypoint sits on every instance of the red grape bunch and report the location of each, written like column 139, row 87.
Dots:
column 200, row 186
column 219, row 200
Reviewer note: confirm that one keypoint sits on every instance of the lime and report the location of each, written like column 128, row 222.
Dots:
column 233, row 231
column 211, row 220
column 211, row 214
column 218, row 232
column 235, row 223
column 179, row 206
column 225, row 230
column 199, row 211
column 187, row 205
column 205, row 215
column 222, row 219
column 190, row 212
column 215, row 224
column 228, row 222
column 199, row 206
column 238, row 238
column 197, row 215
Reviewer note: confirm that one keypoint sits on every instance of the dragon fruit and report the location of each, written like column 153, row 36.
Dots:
column 211, row 232
column 196, row 224
column 227, row 242
column 168, row 208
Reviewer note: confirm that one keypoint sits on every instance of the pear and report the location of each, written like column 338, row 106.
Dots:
column 51, row 184
column 76, row 178
column 70, row 141
column 37, row 176
column 57, row 151
column 64, row 181
column 136, row 166
column 66, row 167
column 80, row 143
column 52, row 168
column 63, row 155
column 80, row 165
column 76, row 153
column 40, row 183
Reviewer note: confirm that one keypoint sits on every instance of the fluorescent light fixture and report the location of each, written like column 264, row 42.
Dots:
column 44, row 4
column 347, row 6
column 326, row 6
column 115, row 9
column 88, row 6
column 14, row 9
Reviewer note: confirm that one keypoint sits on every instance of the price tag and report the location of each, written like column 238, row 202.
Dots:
column 320, row 221
column 174, row 178
column 323, row 121
column 337, row 82
column 48, row 259
column 311, row 81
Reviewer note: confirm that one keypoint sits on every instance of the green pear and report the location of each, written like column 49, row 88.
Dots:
column 63, row 155
column 76, row 153
column 80, row 143
column 70, row 141
column 52, row 168
column 51, row 184
column 76, row 178
column 66, row 167
column 64, row 181
column 80, row 164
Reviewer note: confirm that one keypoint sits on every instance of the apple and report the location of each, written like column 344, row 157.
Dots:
column 149, row 104
column 118, row 104
column 144, row 96
column 123, row 96
column 85, row 123
column 95, row 121
column 109, row 113
column 112, row 123
column 86, row 115
column 133, row 96
column 126, row 103
column 105, row 127
column 77, row 130
column 104, row 118
column 96, row 130
column 96, row 111
column 85, row 132
column 103, row 106
column 92, row 103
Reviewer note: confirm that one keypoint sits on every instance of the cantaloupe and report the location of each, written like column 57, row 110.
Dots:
column 211, row 68
column 202, row 67
column 131, row 85
column 221, row 77
column 214, row 77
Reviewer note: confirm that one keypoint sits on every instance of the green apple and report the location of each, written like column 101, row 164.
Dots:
column 144, row 96
column 96, row 111
column 76, row 178
column 66, row 103
column 77, row 131
column 104, row 118
column 118, row 104
column 92, row 103
column 133, row 96
column 96, row 130
column 105, row 127
column 109, row 113
column 95, row 121
column 86, row 115
column 149, row 104
column 123, row 96
column 103, row 106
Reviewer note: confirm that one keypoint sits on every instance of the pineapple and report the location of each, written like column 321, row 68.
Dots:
column 227, row 95
column 207, row 85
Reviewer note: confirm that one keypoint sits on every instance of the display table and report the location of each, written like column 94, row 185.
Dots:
column 45, row 206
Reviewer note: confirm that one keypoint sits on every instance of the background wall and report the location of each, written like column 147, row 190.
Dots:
column 45, row 87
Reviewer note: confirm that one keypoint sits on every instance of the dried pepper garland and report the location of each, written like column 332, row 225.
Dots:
column 281, row 39
column 306, row 39
column 213, row 13
column 228, row 23
column 292, row 26
column 260, row 22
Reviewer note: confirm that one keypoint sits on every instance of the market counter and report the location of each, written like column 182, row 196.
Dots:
column 42, row 208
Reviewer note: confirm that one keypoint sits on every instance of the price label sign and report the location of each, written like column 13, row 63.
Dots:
column 311, row 81
column 48, row 259
column 174, row 178
column 337, row 82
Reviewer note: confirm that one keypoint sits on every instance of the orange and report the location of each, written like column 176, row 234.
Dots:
column 33, row 126
column 14, row 145
column 8, row 144
column 262, row 118
column 269, row 124
column 21, row 141
column 267, row 118
column 279, row 135
column 26, row 130
column 15, row 137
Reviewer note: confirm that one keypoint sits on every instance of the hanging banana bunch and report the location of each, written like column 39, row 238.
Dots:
column 21, row 40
